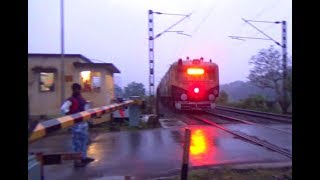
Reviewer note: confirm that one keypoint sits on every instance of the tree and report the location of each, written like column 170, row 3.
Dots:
column 118, row 91
column 267, row 73
column 223, row 98
column 254, row 101
column 289, row 85
column 134, row 89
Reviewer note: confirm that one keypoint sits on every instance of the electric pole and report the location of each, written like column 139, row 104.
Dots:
column 284, row 51
column 151, row 39
column 62, row 50
column 151, row 56
column 284, row 59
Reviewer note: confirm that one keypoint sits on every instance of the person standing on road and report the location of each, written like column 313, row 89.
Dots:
column 76, row 103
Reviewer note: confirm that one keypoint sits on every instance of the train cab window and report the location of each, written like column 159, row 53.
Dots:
column 46, row 82
column 202, row 77
column 212, row 73
column 211, row 76
column 199, row 77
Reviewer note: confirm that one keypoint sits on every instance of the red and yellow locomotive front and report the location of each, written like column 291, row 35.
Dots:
column 196, row 85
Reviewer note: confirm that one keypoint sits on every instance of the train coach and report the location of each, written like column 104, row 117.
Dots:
column 190, row 85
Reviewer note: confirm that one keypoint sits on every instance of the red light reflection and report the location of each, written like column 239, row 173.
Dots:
column 198, row 143
column 202, row 148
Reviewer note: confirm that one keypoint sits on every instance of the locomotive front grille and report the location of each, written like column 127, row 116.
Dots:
column 188, row 106
column 193, row 105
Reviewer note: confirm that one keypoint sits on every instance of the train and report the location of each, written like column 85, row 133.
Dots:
column 190, row 85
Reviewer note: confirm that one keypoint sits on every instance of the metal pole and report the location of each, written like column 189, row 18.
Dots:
column 284, row 54
column 185, row 160
column 261, row 32
column 134, row 112
column 40, row 160
column 62, row 50
column 284, row 59
column 157, row 101
column 151, row 59
column 151, row 51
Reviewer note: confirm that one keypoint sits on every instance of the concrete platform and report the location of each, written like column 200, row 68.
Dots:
column 171, row 122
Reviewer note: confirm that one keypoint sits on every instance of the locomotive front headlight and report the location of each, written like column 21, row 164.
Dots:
column 184, row 97
column 211, row 97
column 196, row 90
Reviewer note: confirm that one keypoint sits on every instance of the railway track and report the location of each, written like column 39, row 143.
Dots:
column 246, row 122
column 244, row 136
column 259, row 114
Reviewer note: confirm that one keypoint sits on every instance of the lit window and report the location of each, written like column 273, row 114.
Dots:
column 96, row 81
column 91, row 81
column 86, row 80
column 46, row 82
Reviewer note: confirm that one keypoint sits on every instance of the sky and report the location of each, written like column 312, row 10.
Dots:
column 116, row 31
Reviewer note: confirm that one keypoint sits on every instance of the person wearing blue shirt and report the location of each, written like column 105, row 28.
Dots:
column 75, row 104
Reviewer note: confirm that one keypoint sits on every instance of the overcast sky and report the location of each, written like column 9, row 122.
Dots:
column 116, row 31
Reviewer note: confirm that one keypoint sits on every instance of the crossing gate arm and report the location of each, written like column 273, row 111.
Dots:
column 53, row 125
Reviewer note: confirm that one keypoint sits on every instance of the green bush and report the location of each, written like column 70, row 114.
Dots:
column 256, row 102
column 223, row 98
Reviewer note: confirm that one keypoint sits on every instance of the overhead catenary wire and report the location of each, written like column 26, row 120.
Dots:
column 271, row 25
column 214, row 5
column 272, row 5
column 256, row 33
column 196, row 29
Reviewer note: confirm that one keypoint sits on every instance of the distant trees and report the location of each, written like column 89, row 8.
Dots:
column 267, row 73
column 134, row 89
column 223, row 98
column 289, row 86
column 255, row 102
column 118, row 92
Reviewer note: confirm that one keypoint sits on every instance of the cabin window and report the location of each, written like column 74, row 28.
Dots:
column 46, row 82
column 90, row 81
column 96, row 81
column 86, row 81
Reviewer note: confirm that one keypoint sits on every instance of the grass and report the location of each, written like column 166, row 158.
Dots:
column 240, row 174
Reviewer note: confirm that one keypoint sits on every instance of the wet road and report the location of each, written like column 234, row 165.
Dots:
column 153, row 152
column 278, row 138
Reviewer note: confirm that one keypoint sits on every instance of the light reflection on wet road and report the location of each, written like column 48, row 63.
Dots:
column 153, row 152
